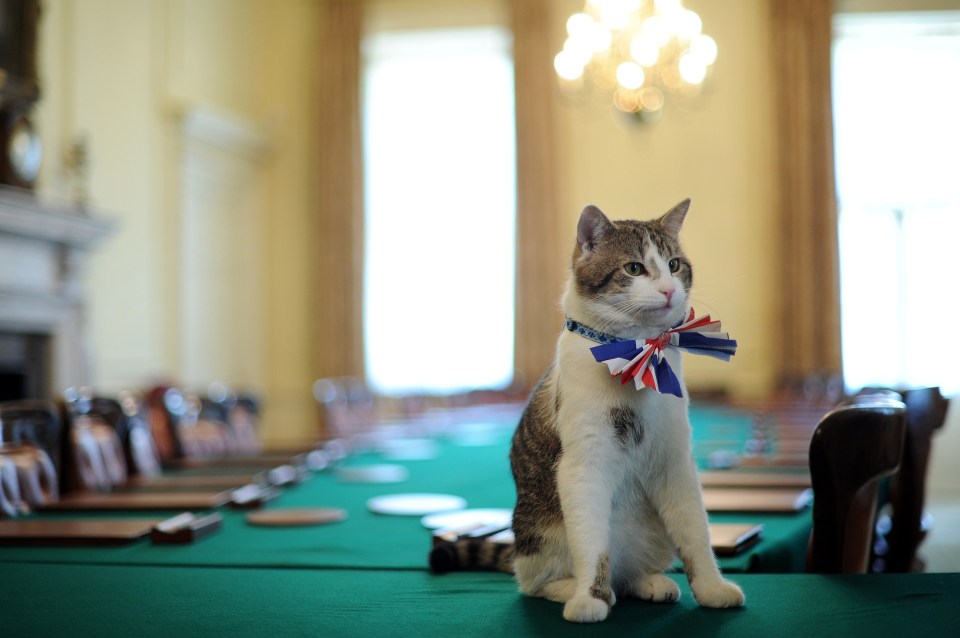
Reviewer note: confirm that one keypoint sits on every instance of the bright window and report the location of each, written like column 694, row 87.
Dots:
column 440, row 184
column 896, row 99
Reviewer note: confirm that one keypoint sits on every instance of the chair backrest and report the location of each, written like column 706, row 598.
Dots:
column 190, row 426
column 926, row 412
column 852, row 448
column 348, row 408
column 30, row 450
column 240, row 411
column 95, row 458
column 163, row 405
column 128, row 415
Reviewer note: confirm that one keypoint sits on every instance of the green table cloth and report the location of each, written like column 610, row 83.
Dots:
column 478, row 473
column 367, row 575
column 42, row 600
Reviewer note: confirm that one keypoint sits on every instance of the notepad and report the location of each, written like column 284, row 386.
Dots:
column 734, row 499
column 754, row 478
column 66, row 532
column 174, row 482
column 143, row 501
column 728, row 539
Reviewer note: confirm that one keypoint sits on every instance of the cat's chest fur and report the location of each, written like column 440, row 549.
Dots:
column 637, row 429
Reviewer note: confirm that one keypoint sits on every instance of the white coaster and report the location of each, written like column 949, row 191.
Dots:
column 463, row 518
column 385, row 473
column 414, row 504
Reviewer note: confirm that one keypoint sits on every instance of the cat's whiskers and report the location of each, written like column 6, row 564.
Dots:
column 702, row 305
column 627, row 310
column 623, row 310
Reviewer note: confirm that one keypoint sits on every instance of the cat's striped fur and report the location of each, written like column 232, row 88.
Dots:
column 468, row 554
column 607, row 492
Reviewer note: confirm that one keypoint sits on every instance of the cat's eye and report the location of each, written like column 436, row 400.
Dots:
column 634, row 269
column 674, row 265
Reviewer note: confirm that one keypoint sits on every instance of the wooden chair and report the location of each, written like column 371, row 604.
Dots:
column 184, row 430
column 163, row 403
column 128, row 416
column 240, row 411
column 94, row 458
column 347, row 407
column 853, row 447
column 926, row 413
column 30, row 442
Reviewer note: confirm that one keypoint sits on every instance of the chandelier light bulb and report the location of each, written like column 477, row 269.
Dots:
column 692, row 69
column 630, row 75
column 705, row 48
column 663, row 6
column 578, row 50
column 688, row 25
column 656, row 30
column 600, row 38
column 567, row 66
column 614, row 14
column 579, row 25
column 643, row 53
column 651, row 99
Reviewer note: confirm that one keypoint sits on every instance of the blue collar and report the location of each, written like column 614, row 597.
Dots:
column 597, row 336
column 590, row 333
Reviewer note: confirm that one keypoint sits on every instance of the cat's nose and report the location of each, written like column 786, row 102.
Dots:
column 668, row 293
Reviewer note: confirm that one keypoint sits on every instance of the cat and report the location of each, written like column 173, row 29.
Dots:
column 607, row 490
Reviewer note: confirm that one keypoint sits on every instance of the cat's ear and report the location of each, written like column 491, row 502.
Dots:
column 593, row 227
column 672, row 221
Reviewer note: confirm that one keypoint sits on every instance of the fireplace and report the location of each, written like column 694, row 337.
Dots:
column 43, row 249
column 24, row 366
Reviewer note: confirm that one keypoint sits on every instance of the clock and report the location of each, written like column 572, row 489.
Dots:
column 20, row 149
column 21, row 152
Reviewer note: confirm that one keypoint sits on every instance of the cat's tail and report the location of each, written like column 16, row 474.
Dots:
column 471, row 554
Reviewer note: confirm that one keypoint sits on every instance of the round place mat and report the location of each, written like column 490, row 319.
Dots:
column 462, row 518
column 414, row 504
column 409, row 449
column 293, row 517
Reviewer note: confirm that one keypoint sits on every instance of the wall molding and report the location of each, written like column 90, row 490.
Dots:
column 224, row 130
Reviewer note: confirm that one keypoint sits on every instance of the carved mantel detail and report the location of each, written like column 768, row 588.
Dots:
column 43, row 251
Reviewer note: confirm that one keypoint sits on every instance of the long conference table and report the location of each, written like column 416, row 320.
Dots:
column 367, row 575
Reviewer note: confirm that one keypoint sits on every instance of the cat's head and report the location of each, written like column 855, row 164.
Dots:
column 630, row 277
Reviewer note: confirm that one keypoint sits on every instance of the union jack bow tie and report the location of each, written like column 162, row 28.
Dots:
column 644, row 361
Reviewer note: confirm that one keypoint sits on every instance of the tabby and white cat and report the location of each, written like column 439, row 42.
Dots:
column 607, row 490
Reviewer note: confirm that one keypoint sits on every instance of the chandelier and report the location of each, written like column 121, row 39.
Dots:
column 639, row 51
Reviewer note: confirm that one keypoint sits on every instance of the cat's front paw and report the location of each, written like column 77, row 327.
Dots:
column 719, row 593
column 585, row 608
column 656, row 588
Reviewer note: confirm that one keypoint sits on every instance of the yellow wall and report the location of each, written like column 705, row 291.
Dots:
column 290, row 341
column 721, row 154
column 128, row 74
column 97, row 81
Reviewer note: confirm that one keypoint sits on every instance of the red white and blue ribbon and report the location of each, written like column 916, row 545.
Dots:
column 644, row 361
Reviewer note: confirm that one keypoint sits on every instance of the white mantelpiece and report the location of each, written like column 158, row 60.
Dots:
column 43, row 249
